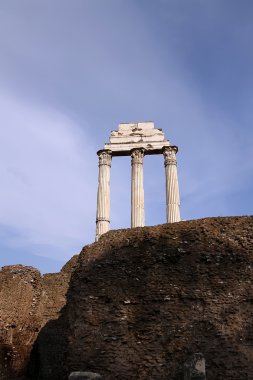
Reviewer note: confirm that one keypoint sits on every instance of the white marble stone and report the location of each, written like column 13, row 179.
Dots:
column 144, row 125
column 172, row 188
column 137, row 135
column 103, row 195
column 137, row 189
column 137, row 140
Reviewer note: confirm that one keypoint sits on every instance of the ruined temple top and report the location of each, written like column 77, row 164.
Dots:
column 137, row 135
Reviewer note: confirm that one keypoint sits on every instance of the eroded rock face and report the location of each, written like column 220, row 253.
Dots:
column 27, row 302
column 142, row 301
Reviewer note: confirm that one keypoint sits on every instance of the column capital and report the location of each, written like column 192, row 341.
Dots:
column 104, row 157
column 169, row 154
column 137, row 155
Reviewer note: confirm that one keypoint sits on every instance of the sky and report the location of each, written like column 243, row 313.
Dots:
column 71, row 71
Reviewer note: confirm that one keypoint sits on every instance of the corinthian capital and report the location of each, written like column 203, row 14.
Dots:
column 137, row 156
column 170, row 155
column 104, row 157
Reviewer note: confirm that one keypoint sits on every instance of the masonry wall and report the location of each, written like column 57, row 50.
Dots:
column 141, row 301
column 27, row 302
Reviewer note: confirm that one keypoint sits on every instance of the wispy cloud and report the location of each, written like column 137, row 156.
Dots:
column 47, row 190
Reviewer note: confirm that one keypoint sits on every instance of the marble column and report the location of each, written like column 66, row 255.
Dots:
column 103, row 195
column 137, row 190
column 172, row 188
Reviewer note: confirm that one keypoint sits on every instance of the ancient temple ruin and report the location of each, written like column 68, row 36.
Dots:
column 136, row 140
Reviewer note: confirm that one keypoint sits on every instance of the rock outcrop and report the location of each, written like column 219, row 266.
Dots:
column 142, row 301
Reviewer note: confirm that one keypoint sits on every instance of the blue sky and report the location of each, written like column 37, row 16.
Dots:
column 71, row 71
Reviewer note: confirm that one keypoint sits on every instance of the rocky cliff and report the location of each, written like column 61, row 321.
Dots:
column 139, row 303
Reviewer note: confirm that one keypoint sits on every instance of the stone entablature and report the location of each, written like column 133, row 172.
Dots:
column 136, row 140
column 137, row 135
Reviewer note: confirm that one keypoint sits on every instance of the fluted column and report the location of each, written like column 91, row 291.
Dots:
column 172, row 188
column 137, row 190
column 103, row 195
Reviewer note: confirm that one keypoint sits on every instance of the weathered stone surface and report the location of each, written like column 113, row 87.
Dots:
column 136, row 136
column 84, row 376
column 27, row 302
column 142, row 301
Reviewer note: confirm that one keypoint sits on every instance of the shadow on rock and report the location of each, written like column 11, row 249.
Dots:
column 141, row 301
